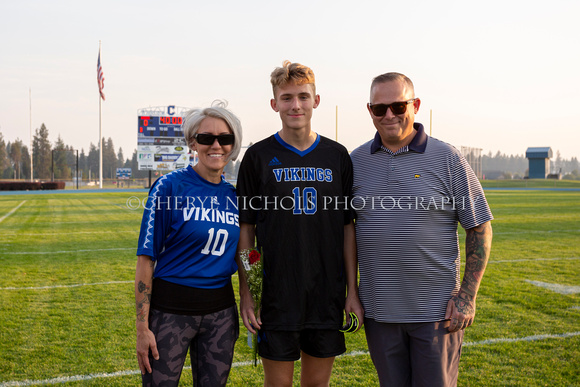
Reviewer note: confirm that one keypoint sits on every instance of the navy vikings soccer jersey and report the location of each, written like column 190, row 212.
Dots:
column 190, row 228
column 298, row 201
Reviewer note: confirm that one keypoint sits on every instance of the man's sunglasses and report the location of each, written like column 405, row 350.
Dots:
column 209, row 139
column 380, row 109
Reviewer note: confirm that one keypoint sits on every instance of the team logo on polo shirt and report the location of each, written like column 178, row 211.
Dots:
column 274, row 161
column 417, row 176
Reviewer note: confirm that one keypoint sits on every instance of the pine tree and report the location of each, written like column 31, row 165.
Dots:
column 120, row 158
column 3, row 155
column 16, row 157
column 42, row 153
column 83, row 165
column 93, row 162
column 109, row 159
column 60, row 162
column 25, row 163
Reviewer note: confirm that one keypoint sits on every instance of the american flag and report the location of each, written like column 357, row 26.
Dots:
column 100, row 77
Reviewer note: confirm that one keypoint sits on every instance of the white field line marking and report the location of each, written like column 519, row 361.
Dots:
column 530, row 260
column 12, row 211
column 68, row 286
column 516, row 339
column 121, row 282
column 63, row 251
column 13, row 234
column 562, row 289
column 125, row 206
column 532, row 232
column 84, row 222
column 75, row 378
column 491, row 260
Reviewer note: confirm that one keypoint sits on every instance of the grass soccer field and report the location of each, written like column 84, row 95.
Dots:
column 67, row 307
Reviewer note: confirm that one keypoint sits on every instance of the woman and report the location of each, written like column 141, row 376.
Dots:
column 186, row 257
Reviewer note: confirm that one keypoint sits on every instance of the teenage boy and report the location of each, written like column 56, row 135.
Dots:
column 294, row 202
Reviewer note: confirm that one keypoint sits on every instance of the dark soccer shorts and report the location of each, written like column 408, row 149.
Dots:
column 286, row 345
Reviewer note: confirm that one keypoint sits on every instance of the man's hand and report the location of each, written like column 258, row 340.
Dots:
column 461, row 311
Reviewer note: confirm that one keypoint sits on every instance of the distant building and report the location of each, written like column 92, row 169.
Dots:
column 539, row 158
column 473, row 157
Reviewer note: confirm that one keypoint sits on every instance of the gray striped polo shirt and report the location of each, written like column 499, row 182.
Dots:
column 408, row 206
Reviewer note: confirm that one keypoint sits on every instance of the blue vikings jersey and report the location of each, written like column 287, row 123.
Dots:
column 190, row 228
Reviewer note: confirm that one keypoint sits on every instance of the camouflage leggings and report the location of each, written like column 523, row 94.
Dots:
column 210, row 339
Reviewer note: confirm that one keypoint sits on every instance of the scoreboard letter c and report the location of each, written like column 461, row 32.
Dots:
column 171, row 110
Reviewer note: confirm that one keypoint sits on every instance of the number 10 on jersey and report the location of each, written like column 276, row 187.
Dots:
column 304, row 202
column 219, row 245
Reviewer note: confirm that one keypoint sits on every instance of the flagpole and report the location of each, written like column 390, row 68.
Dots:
column 100, row 148
column 31, row 149
column 100, row 137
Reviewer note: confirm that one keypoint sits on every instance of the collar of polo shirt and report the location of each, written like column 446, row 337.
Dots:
column 418, row 143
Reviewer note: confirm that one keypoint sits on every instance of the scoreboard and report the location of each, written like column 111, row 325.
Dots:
column 160, row 142
column 151, row 127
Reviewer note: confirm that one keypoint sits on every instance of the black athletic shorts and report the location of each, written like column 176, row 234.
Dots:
column 286, row 345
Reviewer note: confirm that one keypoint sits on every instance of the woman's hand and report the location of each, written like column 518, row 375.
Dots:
column 145, row 342
column 249, row 318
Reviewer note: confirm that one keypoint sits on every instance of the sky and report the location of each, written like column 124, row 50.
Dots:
column 496, row 75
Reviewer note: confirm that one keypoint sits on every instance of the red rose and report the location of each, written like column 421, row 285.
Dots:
column 254, row 257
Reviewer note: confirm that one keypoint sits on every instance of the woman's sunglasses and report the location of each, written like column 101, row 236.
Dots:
column 209, row 139
column 380, row 109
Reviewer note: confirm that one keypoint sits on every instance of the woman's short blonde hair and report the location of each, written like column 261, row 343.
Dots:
column 194, row 117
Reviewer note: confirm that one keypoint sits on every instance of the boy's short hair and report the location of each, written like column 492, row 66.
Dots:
column 292, row 73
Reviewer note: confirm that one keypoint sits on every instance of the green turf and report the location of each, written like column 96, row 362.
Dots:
column 90, row 238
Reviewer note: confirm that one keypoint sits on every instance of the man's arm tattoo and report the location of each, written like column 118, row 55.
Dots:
column 477, row 247
column 464, row 303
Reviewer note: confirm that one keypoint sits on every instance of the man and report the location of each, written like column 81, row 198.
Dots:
column 410, row 191
column 289, row 187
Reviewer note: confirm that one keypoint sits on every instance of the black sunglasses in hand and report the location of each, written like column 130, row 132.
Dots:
column 380, row 109
column 209, row 139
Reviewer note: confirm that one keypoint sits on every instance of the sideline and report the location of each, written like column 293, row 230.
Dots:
column 12, row 211
column 75, row 191
column 146, row 190
column 76, row 378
